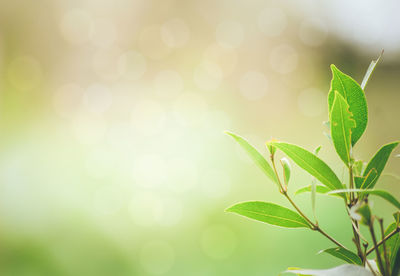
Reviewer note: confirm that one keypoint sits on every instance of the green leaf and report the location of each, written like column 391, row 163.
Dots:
column 341, row 125
column 310, row 163
column 318, row 188
column 369, row 178
column 354, row 96
column 392, row 244
column 317, row 150
column 370, row 70
column 378, row 163
column 396, row 264
column 286, row 169
column 256, row 156
column 382, row 194
column 343, row 270
column 344, row 254
column 269, row 213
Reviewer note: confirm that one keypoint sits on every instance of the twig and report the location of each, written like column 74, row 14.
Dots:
column 314, row 226
column 386, row 238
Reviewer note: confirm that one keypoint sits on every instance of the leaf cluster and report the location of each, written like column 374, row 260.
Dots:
column 348, row 119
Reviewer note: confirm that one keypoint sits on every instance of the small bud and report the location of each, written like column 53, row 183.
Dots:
column 271, row 148
column 286, row 170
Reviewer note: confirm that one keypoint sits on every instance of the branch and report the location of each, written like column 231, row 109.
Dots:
column 314, row 226
column 386, row 238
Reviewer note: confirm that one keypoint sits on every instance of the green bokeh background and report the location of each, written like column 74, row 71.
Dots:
column 113, row 158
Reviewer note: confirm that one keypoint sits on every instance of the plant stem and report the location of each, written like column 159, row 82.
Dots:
column 384, row 247
column 384, row 239
column 378, row 256
column 354, row 223
column 314, row 226
column 351, row 183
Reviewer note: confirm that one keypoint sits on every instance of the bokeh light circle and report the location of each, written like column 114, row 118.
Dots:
column 175, row 33
column 229, row 34
column 284, row 59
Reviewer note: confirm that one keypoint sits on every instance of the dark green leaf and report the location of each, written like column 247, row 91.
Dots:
column 269, row 213
column 256, row 156
column 396, row 264
column 365, row 213
column 344, row 254
column 378, row 163
column 392, row 244
column 354, row 96
column 342, row 270
column 310, row 163
column 342, row 124
column 370, row 70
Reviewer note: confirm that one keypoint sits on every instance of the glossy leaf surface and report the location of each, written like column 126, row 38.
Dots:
column 269, row 213
column 354, row 96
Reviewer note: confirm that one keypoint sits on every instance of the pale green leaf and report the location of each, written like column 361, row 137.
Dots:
column 354, row 96
column 256, row 156
column 286, row 169
column 342, row 124
column 310, row 163
column 378, row 163
column 370, row 70
column 269, row 213
column 342, row 270
column 318, row 189
column 344, row 254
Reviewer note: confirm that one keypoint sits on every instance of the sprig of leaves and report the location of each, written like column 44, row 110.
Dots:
column 348, row 118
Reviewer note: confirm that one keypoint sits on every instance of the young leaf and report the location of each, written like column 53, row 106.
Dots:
column 343, row 270
column 383, row 194
column 310, row 163
column 342, row 124
column 370, row 70
column 354, row 96
column 344, row 254
column 286, row 169
column 378, row 163
column 269, row 213
column 256, row 156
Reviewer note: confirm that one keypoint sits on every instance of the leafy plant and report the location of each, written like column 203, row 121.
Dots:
column 348, row 117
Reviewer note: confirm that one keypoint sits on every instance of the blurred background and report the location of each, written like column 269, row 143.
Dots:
column 113, row 157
